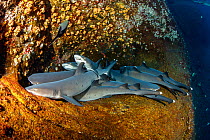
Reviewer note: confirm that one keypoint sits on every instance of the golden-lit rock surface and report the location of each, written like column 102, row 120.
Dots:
column 25, row 116
column 130, row 31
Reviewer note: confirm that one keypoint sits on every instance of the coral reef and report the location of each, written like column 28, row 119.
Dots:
column 121, row 28
column 129, row 30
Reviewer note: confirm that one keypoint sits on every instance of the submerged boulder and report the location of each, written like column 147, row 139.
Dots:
column 130, row 31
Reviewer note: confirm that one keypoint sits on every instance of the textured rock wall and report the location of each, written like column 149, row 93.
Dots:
column 113, row 29
column 131, row 31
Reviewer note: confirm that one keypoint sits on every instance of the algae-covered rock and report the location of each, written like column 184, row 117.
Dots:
column 130, row 31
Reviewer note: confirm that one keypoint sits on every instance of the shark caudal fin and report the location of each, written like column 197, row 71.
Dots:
column 107, row 69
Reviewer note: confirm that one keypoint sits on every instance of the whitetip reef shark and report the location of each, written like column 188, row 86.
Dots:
column 137, row 86
column 69, row 87
column 116, row 75
column 146, row 69
column 61, row 30
column 96, row 92
column 45, row 77
column 78, row 83
column 135, row 73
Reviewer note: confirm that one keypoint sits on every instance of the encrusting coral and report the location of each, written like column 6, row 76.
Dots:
column 128, row 30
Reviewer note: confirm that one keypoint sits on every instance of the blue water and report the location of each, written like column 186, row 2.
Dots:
column 193, row 19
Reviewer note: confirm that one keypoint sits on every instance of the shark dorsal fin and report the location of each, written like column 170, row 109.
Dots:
column 161, row 77
column 125, row 86
column 137, row 86
column 124, row 70
column 99, row 61
column 166, row 74
column 136, row 69
column 80, row 69
column 144, row 65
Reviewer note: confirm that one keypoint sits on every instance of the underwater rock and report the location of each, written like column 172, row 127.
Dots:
column 130, row 31
column 119, row 117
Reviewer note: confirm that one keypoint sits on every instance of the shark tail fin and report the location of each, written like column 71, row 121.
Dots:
column 109, row 67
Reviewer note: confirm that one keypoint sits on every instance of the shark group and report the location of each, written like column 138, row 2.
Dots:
column 85, row 80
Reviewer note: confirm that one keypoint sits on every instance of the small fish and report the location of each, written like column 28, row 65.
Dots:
column 96, row 92
column 89, row 64
column 135, row 73
column 116, row 75
column 39, row 78
column 62, row 29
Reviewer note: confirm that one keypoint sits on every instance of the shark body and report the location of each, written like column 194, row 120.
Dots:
column 145, row 68
column 39, row 78
column 96, row 92
column 137, row 86
column 116, row 75
column 135, row 73
column 66, row 88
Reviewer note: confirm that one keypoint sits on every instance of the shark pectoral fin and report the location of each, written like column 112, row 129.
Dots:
column 107, row 96
column 71, row 100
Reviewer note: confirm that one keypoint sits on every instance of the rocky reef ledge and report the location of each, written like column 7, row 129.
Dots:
column 130, row 31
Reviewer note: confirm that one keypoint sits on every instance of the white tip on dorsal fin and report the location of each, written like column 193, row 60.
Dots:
column 144, row 64
column 80, row 69
column 124, row 86
column 136, row 69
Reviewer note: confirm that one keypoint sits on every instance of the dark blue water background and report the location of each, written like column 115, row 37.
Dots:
column 193, row 19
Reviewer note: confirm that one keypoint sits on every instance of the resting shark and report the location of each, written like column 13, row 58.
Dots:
column 62, row 29
column 137, row 86
column 116, row 75
column 96, row 92
column 66, row 88
column 135, row 73
column 89, row 64
column 39, row 78
column 69, row 87
column 145, row 68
